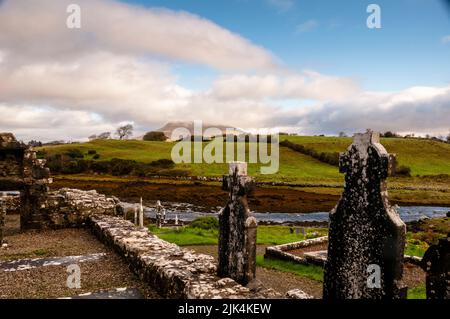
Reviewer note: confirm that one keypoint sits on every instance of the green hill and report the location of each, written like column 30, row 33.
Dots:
column 424, row 157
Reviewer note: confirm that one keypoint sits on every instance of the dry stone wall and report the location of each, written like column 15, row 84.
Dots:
column 175, row 272
column 72, row 207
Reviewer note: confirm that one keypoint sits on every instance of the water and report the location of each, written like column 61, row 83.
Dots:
column 188, row 212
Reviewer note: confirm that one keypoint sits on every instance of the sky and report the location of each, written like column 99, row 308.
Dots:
column 304, row 66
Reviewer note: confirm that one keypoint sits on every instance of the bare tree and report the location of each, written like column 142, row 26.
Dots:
column 125, row 131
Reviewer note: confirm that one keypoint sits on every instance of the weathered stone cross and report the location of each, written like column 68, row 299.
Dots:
column 366, row 234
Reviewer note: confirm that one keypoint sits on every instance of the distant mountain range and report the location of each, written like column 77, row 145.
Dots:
column 168, row 128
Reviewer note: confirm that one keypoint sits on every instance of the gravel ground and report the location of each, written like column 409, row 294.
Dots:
column 47, row 243
column 270, row 278
column 108, row 272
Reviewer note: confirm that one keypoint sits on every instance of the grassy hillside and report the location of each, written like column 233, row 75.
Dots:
column 294, row 167
column 424, row 157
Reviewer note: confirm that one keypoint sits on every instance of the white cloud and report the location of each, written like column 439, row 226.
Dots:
column 37, row 29
column 307, row 85
column 446, row 39
column 68, row 84
column 418, row 109
column 306, row 26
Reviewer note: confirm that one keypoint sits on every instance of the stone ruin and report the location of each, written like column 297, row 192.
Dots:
column 22, row 171
column 365, row 231
column 237, row 233
column 436, row 263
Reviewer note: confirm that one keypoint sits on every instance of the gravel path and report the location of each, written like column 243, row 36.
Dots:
column 108, row 272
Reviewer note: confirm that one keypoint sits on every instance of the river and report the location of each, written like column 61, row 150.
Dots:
column 187, row 212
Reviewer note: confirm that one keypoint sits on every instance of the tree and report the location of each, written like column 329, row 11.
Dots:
column 389, row 134
column 125, row 131
column 104, row 136
column 155, row 136
column 92, row 137
column 448, row 138
column 342, row 134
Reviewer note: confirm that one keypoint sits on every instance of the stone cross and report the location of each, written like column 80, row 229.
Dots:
column 436, row 263
column 366, row 235
column 237, row 233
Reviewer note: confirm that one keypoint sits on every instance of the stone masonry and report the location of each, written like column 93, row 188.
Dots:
column 175, row 272
column 365, row 230
column 237, row 232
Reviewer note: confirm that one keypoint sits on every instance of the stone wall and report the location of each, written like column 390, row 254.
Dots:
column 72, row 207
column 175, row 272
column 282, row 251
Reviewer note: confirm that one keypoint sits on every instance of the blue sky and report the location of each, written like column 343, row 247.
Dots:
column 407, row 50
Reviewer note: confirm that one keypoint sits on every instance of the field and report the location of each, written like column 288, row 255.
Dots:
column 424, row 157
column 429, row 162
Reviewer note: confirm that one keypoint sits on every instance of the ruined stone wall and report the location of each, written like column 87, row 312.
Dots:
column 175, row 272
column 71, row 208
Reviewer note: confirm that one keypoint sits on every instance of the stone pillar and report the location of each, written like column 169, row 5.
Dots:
column 237, row 234
column 366, row 234
column 436, row 263
column 2, row 219
column 141, row 214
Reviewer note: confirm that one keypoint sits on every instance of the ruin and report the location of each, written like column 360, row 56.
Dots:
column 365, row 230
column 23, row 172
column 20, row 170
column 237, row 233
column 436, row 263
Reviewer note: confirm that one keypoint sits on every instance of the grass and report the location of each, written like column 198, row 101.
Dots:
column 309, row 271
column 424, row 157
column 266, row 235
column 294, row 167
column 418, row 292
column 186, row 236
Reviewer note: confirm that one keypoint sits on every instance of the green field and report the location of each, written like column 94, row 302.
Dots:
column 294, row 167
column 424, row 157
column 267, row 235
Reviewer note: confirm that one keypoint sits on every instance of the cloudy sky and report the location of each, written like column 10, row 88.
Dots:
column 312, row 67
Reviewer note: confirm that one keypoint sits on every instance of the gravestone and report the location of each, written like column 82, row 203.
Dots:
column 237, row 232
column 436, row 263
column 366, row 235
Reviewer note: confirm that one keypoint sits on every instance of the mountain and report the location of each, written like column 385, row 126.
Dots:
column 168, row 128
